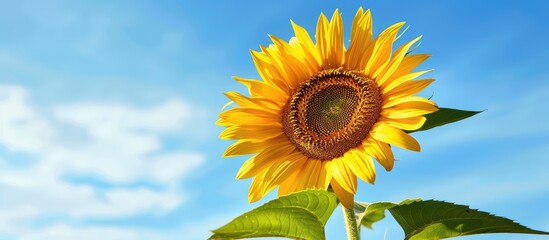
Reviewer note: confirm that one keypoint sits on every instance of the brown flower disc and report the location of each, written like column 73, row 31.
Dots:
column 331, row 113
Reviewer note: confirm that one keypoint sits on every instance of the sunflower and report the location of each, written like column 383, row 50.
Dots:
column 322, row 112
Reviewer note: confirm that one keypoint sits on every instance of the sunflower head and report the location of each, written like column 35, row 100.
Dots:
column 322, row 112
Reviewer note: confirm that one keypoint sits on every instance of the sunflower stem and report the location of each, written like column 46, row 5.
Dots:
column 351, row 224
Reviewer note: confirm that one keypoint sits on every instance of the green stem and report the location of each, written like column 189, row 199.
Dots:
column 350, row 223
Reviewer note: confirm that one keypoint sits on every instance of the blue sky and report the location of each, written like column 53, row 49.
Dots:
column 107, row 113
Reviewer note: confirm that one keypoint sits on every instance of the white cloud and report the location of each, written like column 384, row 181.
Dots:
column 116, row 143
column 127, row 202
column 13, row 219
column 20, row 127
column 62, row 232
column 121, row 137
column 100, row 117
column 201, row 228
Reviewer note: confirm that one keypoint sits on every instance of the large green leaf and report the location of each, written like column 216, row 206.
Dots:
column 369, row 213
column 437, row 219
column 444, row 116
column 300, row 215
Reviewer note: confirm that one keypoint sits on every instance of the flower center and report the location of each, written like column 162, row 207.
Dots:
column 331, row 113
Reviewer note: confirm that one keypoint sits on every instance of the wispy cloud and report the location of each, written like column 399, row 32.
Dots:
column 21, row 128
column 65, row 232
column 114, row 143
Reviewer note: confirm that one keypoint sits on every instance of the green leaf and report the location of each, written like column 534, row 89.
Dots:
column 437, row 219
column 445, row 116
column 300, row 215
column 368, row 214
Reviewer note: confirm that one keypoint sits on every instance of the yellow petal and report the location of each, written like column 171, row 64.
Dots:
column 394, row 136
column 322, row 40
column 223, row 122
column 408, row 124
column 256, row 102
column 408, row 63
column 294, row 67
column 407, row 89
column 310, row 65
column 361, row 39
column 264, row 160
column 251, row 117
column 381, row 151
column 397, row 101
column 283, row 169
column 329, row 39
column 335, row 58
column 264, row 90
column 361, row 164
column 267, row 71
column 309, row 174
column 409, row 109
column 255, row 192
column 347, row 199
column 382, row 48
column 391, row 84
column 308, row 47
column 240, row 113
column 227, row 105
column 288, row 185
column 325, row 175
column 395, row 61
column 343, row 174
column 270, row 70
column 250, row 132
column 251, row 146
